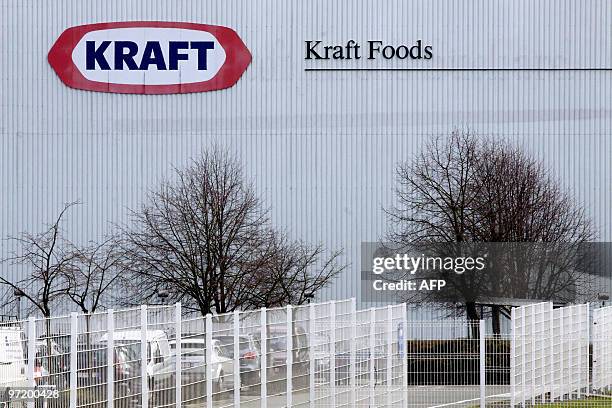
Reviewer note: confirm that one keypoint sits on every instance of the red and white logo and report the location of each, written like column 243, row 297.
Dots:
column 149, row 57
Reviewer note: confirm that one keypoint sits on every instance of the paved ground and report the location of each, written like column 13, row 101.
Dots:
column 418, row 397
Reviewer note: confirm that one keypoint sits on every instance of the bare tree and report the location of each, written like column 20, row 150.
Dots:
column 207, row 239
column 436, row 201
column 519, row 201
column 97, row 270
column 292, row 273
column 466, row 189
column 45, row 258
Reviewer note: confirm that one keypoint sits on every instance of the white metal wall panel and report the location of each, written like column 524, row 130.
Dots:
column 321, row 147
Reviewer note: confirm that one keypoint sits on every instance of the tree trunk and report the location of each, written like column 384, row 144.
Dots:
column 496, row 319
column 473, row 318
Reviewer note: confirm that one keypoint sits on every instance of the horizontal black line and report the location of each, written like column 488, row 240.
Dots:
column 457, row 69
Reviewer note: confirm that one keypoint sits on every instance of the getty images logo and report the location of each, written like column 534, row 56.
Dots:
column 149, row 57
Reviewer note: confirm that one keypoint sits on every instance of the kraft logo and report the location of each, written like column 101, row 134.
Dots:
column 149, row 57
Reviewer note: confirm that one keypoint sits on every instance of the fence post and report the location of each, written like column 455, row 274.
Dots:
column 512, row 361
column 264, row 359
column 523, row 361
column 389, row 354
column 332, row 351
column 562, row 344
column 74, row 335
column 110, row 359
column 585, row 375
column 404, row 354
column 209, row 366
column 352, row 368
column 312, row 368
column 289, row 361
column 571, row 354
column 551, row 329
column 236, row 359
column 372, row 354
column 31, row 355
column 178, row 384
column 533, row 356
column 144, row 374
column 483, row 365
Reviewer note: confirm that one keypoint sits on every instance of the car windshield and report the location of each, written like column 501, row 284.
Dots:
column 227, row 345
column 131, row 350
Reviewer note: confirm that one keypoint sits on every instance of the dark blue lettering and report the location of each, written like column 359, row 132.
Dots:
column 121, row 56
column 175, row 57
column 93, row 55
column 202, row 47
column 153, row 55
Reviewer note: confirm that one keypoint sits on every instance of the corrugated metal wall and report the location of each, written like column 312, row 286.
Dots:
column 321, row 147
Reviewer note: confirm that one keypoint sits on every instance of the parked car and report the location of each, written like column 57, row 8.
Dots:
column 193, row 371
column 276, row 356
column 51, row 366
column 158, row 346
column 250, row 358
column 92, row 373
column 158, row 354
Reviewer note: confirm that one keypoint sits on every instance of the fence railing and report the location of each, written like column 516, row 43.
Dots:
column 317, row 355
column 324, row 354
column 602, row 350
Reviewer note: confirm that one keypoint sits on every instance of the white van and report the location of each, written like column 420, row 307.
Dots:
column 158, row 346
column 12, row 359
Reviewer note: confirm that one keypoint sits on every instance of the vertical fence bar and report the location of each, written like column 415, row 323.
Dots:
column 144, row 361
column 483, row 365
column 110, row 359
column 31, row 356
column 541, row 358
column 178, row 384
column 404, row 354
column 533, row 356
column 571, row 354
column 512, row 359
column 562, row 345
column 209, row 366
column 312, row 368
column 523, row 362
column 584, row 335
column 551, row 356
column 236, row 359
column 587, row 337
column 372, row 356
column 389, row 341
column 352, row 357
column 264, row 359
column 289, row 356
column 74, row 336
column 332, row 351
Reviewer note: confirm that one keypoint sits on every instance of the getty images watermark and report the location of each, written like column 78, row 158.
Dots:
column 445, row 272
column 408, row 266
column 416, row 271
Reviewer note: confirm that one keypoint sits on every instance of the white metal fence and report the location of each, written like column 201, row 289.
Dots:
column 317, row 355
column 561, row 356
column 602, row 350
column 326, row 354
